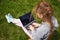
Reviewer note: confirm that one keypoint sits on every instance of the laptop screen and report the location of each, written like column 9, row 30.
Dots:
column 26, row 19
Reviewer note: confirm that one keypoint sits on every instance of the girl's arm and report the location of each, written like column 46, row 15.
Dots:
column 31, row 28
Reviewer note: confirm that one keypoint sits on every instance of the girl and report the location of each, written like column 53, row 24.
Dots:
column 42, row 31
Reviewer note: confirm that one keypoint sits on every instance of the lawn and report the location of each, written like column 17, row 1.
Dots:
column 9, row 31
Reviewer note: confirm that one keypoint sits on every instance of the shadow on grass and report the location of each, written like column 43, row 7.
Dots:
column 56, row 35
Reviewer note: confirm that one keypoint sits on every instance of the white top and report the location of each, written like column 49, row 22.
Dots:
column 42, row 32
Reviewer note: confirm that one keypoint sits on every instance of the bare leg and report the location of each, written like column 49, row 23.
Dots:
column 17, row 22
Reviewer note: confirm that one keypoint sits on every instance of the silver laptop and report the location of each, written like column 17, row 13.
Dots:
column 27, row 19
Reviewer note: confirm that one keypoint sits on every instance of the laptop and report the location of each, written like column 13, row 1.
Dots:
column 27, row 19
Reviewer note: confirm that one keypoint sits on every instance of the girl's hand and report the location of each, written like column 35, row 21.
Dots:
column 35, row 24
column 31, row 27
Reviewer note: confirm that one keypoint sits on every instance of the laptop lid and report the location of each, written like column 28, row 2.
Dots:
column 26, row 19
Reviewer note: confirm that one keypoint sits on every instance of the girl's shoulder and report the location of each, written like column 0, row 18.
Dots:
column 44, row 26
column 54, row 20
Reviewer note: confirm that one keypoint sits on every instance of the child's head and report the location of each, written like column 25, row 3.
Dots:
column 43, row 10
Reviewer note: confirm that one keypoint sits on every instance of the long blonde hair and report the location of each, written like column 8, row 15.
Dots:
column 46, row 9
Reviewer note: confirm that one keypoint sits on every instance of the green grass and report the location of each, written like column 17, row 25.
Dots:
column 18, row 8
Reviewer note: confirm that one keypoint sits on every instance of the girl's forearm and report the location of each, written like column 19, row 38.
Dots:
column 26, row 31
